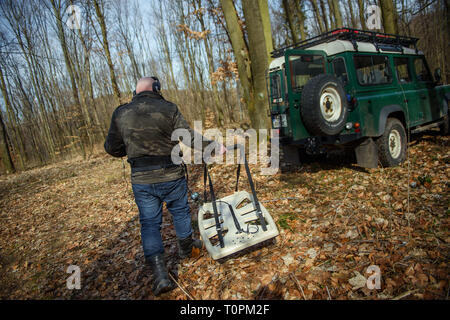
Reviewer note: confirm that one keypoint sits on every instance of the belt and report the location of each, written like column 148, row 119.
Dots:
column 149, row 163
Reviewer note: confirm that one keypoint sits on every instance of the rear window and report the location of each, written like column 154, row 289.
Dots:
column 304, row 68
column 372, row 70
column 275, row 87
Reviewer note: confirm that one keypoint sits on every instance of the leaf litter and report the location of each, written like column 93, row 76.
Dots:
column 335, row 220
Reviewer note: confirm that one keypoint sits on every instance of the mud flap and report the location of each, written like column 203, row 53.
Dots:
column 367, row 154
column 290, row 155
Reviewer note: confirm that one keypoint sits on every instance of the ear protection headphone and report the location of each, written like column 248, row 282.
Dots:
column 156, row 85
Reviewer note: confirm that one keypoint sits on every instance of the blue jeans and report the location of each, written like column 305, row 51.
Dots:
column 149, row 199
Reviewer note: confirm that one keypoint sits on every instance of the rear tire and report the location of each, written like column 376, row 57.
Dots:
column 392, row 144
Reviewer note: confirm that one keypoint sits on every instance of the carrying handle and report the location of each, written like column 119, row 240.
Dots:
column 216, row 213
column 255, row 201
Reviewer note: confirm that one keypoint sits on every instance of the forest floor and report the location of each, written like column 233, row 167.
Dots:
column 339, row 220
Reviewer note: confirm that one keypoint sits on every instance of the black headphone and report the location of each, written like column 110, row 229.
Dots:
column 156, row 87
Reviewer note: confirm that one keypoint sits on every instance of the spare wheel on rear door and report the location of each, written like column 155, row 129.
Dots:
column 324, row 105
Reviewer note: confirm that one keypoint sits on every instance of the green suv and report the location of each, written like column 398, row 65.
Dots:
column 354, row 89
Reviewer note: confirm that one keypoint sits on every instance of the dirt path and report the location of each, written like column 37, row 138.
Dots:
column 340, row 220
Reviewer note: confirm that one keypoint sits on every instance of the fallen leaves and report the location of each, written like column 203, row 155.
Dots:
column 358, row 281
column 334, row 220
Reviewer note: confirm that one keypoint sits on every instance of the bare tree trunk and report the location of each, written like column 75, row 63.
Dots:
column 254, row 19
column 112, row 75
column 4, row 148
column 217, row 108
column 300, row 18
column 88, row 80
column 123, row 25
column 324, row 15
column 336, row 13
column 240, row 50
column 352, row 14
column 80, row 104
column 266, row 25
column 123, row 74
column 288, row 11
column 447, row 14
column 166, row 50
column 22, row 30
column 361, row 14
column 332, row 14
column 63, row 43
column 388, row 12
column 12, row 118
column 318, row 15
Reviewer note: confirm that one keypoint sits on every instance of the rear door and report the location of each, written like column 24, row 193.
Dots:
column 301, row 66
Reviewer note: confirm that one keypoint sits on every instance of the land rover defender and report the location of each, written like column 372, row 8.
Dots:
column 352, row 89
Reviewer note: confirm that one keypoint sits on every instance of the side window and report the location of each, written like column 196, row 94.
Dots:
column 421, row 69
column 372, row 70
column 339, row 70
column 402, row 70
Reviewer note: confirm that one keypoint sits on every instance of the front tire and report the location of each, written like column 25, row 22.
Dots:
column 392, row 144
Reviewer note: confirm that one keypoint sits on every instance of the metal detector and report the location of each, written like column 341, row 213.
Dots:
column 236, row 222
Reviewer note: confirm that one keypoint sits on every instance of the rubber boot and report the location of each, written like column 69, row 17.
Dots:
column 185, row 246
column 161, row 282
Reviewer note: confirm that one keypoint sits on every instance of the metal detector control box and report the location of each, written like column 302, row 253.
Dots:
column 236, row 222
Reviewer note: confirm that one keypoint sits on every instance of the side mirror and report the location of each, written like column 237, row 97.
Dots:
column 438, row 75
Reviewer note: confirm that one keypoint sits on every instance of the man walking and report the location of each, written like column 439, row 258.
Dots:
column 142, row 130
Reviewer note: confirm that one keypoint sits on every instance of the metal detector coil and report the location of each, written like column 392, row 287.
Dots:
column 236, row 222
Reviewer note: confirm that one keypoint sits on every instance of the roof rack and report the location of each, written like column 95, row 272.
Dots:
column 379, row 40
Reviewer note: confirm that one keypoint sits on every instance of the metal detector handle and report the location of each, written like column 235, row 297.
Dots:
column 215, row 211
column 250, row 182
column 207, row 178
column 238, row 173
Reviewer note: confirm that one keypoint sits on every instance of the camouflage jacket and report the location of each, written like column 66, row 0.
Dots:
column 144, row 127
